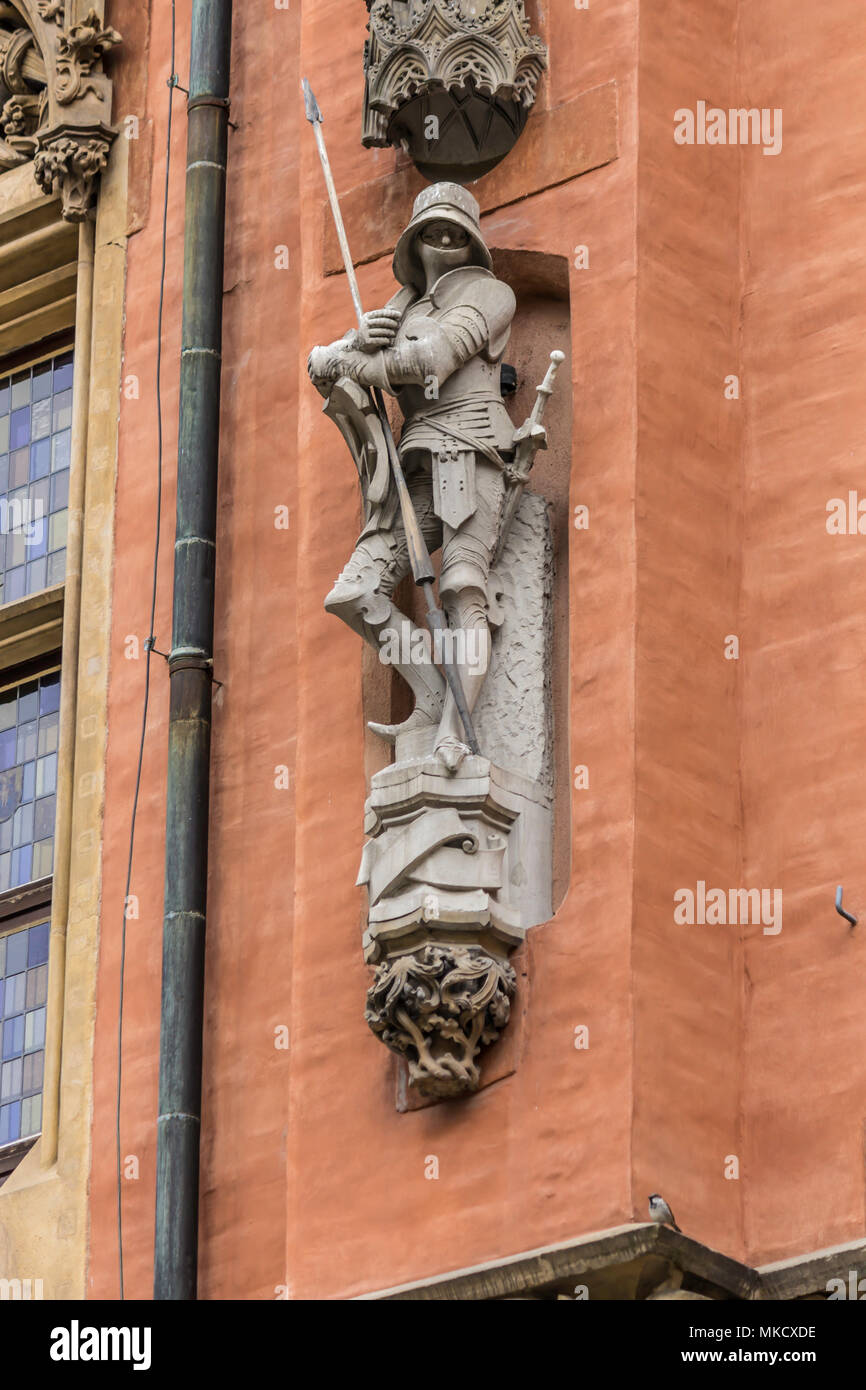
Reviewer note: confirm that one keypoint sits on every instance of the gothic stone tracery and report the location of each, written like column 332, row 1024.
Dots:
column 451, row 81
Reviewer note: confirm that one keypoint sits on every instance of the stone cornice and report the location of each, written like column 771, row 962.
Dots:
column 635, row 1263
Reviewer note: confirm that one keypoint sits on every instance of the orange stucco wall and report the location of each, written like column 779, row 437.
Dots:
column 707, row 520
column 804, row 736
column 687, row 979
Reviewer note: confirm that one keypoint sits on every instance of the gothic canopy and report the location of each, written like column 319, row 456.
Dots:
column 452, row 82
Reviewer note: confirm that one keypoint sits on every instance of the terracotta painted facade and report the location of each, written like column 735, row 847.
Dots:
column 707, row 522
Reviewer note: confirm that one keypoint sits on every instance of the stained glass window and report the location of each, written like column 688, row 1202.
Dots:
column 29, row 721
column 23, row 994
column 35, row 435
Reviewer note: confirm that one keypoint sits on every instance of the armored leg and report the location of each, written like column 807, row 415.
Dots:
column 362, row 597
column 463, row 588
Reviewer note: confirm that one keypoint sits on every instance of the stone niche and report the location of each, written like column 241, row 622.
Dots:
column 451, row 82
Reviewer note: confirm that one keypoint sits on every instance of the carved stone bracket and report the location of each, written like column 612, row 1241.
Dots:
column 451, row 81
column 437, row 1007
column 55, row 99
column 69, row 163
column 449, row 899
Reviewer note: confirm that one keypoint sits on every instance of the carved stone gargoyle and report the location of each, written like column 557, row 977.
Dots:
column 450, row 81
column 457, row 863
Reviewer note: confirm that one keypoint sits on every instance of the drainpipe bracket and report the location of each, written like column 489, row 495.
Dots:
column 223, row 103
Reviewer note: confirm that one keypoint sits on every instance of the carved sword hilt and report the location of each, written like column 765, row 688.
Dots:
column 528, row 439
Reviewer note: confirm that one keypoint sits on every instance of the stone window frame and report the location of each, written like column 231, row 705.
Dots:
column 44, row 1201
column 43, row 296
column 40, row 255
column 54, row 150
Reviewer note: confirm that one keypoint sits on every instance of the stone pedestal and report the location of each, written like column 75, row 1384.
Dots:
column 452, row 872
column 458, row 867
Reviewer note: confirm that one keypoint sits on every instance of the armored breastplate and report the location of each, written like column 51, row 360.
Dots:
column 470, row 398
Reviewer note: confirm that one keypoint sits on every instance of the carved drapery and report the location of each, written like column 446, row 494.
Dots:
column 451, row 81
column 55, row 99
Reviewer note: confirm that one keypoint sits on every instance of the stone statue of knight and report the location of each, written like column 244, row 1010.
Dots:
column 437, row 346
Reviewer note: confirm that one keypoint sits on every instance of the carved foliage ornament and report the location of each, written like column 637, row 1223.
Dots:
column 55, row 99
column 72, row 165
column 438, row 1007
column 451, row 81
column 80, row 48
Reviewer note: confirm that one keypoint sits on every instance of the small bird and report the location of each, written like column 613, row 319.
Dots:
column 661, row 1213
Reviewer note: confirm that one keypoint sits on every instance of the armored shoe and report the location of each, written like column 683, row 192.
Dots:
column 418, row 719
column 349, row 588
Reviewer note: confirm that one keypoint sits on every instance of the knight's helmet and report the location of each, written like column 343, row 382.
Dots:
column 442, row 202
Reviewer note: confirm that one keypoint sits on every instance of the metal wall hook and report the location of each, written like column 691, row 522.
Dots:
column 840, row 909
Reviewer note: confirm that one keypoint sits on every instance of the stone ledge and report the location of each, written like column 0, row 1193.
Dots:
column 31, row 626
column 633, row 1263
column 810, row 1274
column 558, row 145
